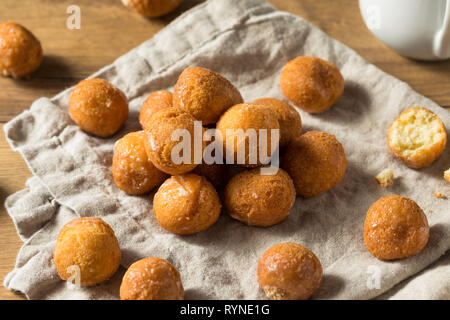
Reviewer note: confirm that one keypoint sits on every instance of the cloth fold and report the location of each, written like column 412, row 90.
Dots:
column 248, row 42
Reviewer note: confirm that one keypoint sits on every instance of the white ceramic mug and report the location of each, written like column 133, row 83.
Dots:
column 418, row 29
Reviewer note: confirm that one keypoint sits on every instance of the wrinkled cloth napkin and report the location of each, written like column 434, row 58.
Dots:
column 248, row 42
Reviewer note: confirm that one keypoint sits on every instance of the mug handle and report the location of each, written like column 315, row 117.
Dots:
column 441, row 44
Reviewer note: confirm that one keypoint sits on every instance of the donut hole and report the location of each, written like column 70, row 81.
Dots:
column 415, row 131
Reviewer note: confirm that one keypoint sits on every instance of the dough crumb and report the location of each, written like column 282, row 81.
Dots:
column 439, row 195
column 447, row 175
column 385, row 178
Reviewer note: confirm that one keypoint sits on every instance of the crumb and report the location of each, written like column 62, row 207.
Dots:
column 385, row 178
column 439, row 195
column 430, row 211
column 447, row 175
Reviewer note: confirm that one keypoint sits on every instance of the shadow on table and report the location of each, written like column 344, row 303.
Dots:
column 3, row 196
column 442, row 66
column 195, row 294
column 330, row 286
column 351, row 105
column 55, row 72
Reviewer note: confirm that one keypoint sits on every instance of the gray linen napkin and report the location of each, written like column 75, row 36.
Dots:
column 248, row 42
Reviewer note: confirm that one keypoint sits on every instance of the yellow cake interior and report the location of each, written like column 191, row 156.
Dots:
column 414, row 130
column 385, row 178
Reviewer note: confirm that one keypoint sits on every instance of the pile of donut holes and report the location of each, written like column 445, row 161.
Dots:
column 187, row 199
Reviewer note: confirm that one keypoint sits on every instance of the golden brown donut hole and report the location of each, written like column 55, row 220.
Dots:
column 98, row 107
column 151, row 279
column 186, row 204
column 133, row 172
column 204, row 94
column 395, row 228
column 155, row 101
column 160, row 144
column 289, row 271
column 417, row 137
column 311, row 83
column 90, row 245
column 20, row 51
column 259, row 200
column 248, row 117
column 316, row 162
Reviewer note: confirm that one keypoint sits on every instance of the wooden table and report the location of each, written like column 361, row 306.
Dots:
column 109, row 30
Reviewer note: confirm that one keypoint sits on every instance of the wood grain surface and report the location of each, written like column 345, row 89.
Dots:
column 109, row 30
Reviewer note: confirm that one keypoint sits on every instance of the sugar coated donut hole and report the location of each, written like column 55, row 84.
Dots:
column 288, row 118
column 90, row 245
column 98, row 107
column 289, row 271
column 311, row 83
column 417, row 137
column 316, row 162
column 133, row 172
column 155, row 101
column 395, row 228
column 247, row 117
column 186, row 204
column 259, row 200
column 160, row 142
column 151, row 279
column 152, row 8
column 20, row 51
column 204, row 94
